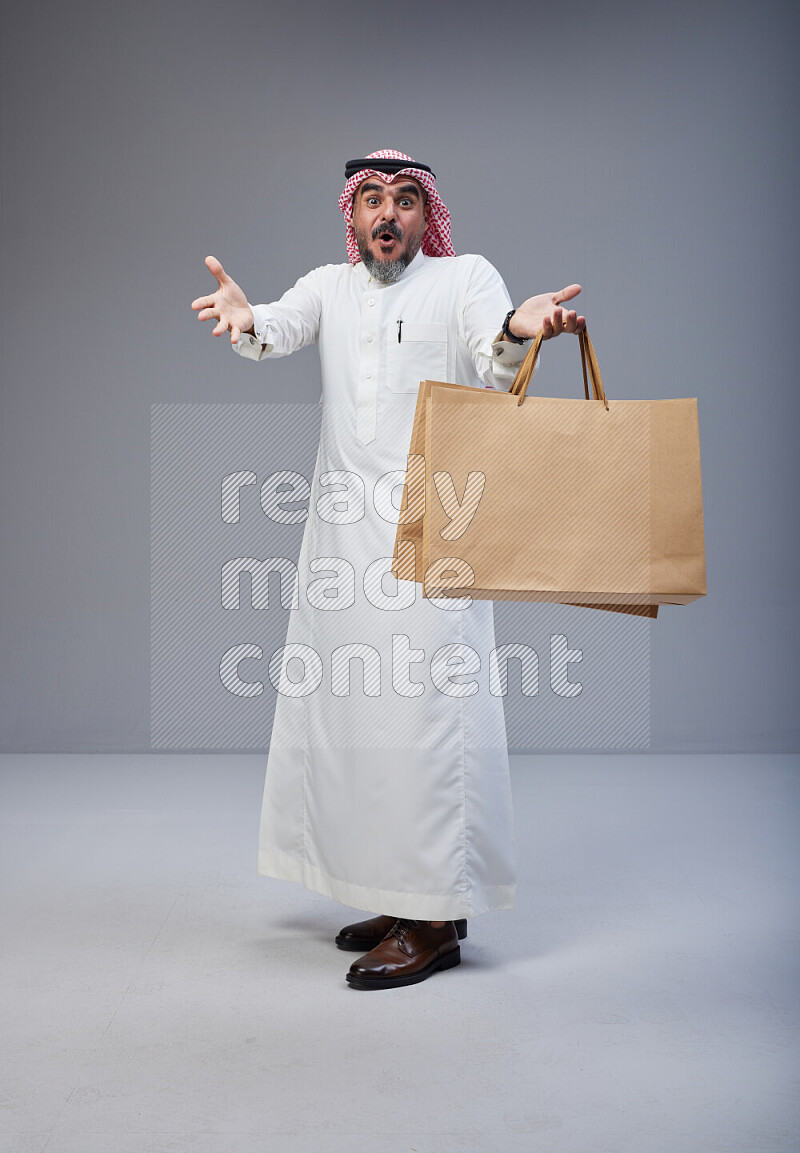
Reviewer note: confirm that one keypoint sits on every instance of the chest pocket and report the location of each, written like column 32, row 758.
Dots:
column 420, row 354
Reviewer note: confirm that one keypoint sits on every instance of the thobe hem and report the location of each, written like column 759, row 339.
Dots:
column 423, row 906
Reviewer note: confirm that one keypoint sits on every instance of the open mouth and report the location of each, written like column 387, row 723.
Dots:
column 387, row 237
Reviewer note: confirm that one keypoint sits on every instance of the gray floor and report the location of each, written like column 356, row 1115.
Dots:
column 159, row 996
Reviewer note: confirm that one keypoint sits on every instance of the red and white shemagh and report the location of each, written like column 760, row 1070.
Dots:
column 436, row 240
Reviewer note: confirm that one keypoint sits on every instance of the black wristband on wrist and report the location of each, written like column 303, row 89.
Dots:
column 510, row 335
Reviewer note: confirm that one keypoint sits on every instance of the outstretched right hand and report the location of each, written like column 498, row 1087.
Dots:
column 228, row 305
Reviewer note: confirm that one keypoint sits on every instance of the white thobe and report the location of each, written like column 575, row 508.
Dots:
column 387, row 784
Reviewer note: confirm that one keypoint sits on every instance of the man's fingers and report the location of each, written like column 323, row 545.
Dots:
column 220, row 328
column 577, row 323
column 562, row 322
column 203, row 302
column 566, row 293
column 236, row 332
column 208, row 314
column 216, row 270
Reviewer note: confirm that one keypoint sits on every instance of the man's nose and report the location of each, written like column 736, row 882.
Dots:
column 388, row 209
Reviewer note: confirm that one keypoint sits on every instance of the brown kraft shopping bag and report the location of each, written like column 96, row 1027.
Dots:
column 592, row 502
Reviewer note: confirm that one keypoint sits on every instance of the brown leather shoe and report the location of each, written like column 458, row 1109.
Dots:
column 365, row 935
column 410, row 952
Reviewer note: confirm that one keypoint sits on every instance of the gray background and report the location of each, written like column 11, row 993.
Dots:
column 648, row 153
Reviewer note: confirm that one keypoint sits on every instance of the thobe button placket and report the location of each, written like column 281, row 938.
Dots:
column 367, row 398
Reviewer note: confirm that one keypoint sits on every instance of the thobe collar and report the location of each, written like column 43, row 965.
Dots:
column 414, row 268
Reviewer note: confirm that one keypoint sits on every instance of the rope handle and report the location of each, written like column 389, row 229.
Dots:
column 525, row 371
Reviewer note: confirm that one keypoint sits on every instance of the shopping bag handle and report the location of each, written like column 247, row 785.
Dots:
column 525, row 372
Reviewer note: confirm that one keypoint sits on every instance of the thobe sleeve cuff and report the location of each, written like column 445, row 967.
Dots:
column 261, row 323
column 506, row 359
column 254, row 347
column 508, row 353
column 248, row 347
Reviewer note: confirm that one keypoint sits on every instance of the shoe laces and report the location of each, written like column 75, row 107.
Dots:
column 400, row 928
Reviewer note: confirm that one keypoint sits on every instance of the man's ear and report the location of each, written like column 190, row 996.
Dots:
column 427, row 211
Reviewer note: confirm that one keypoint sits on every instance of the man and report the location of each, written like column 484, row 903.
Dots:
column 395, row 799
